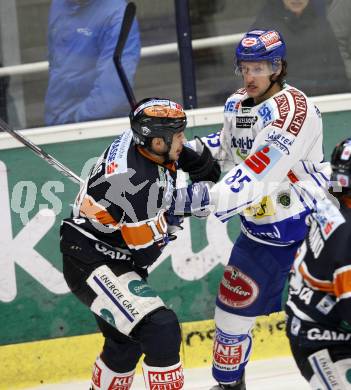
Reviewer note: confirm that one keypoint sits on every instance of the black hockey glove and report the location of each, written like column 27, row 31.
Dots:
column 200, row 167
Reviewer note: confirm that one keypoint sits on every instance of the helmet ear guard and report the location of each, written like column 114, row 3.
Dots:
column 156, row 118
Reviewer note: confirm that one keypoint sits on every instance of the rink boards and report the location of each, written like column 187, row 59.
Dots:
column 66, row 359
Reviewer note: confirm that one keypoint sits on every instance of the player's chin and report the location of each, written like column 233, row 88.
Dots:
column 252, row 91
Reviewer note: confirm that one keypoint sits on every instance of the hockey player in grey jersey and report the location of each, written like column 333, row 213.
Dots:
column 121, row 221
column 319, row 304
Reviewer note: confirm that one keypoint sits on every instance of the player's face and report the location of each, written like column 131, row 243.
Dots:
column 296, row 6
column 256, row 77
column 177, row 146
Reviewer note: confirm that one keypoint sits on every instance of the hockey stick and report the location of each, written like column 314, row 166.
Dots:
column 124, row 32
column 127, row 22
column 41, row 153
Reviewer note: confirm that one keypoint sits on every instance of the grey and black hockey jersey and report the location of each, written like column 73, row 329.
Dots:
column 120, row 209
column 319, row 304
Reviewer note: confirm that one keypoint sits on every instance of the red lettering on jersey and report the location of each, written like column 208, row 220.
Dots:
column 300, row 112
column 259, row 161
column 283, row 108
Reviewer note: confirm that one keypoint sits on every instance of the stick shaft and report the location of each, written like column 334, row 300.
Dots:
column 127, row 22
column 41, row 153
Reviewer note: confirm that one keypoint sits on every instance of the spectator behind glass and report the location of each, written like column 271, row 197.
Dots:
column 315, row 63
column 339, row 14
column 83, row 82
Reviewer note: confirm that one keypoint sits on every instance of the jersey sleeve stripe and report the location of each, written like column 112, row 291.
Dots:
column 93, row 210
column 137, row 236
column 321, row 285
column 310, row 173
column 342, row 281
column 143, row 234
column 320, row 173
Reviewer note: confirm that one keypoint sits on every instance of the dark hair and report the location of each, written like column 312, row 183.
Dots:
column 281, row 77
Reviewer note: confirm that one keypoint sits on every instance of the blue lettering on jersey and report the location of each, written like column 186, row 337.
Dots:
column 242, row 142
column 213, row 140
column 232, row 106
column 266, row 114
column 282, row 142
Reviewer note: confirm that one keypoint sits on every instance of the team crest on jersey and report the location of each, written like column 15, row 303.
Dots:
column 284, row 199
column 237, row 289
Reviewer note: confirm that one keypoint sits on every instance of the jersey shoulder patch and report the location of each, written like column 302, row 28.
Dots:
column 116, row 158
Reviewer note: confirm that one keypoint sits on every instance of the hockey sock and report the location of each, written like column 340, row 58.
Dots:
column 106, row 379
column 165, row 378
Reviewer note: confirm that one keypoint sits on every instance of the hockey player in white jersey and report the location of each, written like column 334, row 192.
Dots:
column 271, row 143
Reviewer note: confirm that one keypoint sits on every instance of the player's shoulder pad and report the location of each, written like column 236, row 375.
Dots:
column 233, row 101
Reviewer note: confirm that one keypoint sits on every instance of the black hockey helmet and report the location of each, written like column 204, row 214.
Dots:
column 341, row 164
column 156, row 117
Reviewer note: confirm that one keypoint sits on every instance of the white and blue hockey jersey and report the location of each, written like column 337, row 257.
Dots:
column 274, row 157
